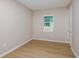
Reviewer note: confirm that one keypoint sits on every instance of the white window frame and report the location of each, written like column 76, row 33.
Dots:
column 53, row 24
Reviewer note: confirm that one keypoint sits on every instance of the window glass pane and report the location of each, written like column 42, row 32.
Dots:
column 47, row 24
column 48, row 18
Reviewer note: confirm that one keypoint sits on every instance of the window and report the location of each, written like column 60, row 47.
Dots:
column 48, row 23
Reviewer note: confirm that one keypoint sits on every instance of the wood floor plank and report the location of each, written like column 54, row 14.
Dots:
column 42, row 49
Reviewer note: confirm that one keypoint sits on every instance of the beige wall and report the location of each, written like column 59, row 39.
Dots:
column 75, row 27
column 61, row 24
column 15, row 24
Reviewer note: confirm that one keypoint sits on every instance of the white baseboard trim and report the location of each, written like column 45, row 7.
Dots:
column 74, row 52
column 51, row 40
column 15, row 48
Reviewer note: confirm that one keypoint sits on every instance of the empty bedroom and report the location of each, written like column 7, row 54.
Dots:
column 39, row 28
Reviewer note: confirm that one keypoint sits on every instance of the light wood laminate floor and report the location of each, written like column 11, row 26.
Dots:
column 42, row 49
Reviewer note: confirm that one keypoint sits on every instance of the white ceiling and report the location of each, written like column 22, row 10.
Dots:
column 44, row 4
